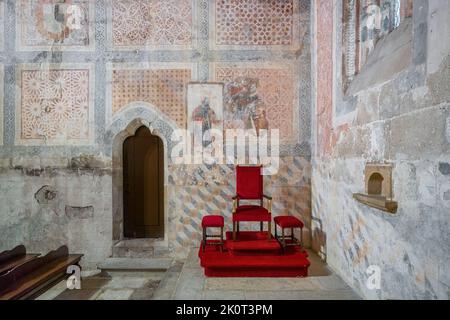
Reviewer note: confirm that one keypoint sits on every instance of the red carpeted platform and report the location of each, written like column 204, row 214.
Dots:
column 253, row 255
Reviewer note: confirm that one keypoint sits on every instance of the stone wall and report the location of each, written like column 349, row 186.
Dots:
column 71, row 96
column 397, row 110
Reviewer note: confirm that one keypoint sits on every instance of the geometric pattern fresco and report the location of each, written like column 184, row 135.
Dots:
column 43, row 24
column 324, row 72
column 165, row 89
column 155, row 23
column 254, row 22
column 275, row 88
column 55, row 105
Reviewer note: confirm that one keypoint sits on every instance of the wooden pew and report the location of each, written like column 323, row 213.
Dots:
column 10, row 259
column 34, row 277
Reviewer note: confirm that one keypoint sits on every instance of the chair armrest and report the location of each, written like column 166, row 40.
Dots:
column 269, row 200
column 235, row 203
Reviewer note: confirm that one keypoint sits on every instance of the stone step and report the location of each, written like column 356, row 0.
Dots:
column 140, row 248
column 135, row 264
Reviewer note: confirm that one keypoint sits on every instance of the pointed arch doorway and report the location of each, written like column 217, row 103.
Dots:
column 143, row 185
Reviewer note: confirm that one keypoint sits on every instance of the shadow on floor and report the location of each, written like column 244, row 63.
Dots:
column 318, row 268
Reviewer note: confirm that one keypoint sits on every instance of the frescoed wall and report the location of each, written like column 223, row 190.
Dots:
column 79, row 74
column 394, row 111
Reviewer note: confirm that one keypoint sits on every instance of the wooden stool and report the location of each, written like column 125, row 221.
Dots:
column 288, row 222
column 212, row 221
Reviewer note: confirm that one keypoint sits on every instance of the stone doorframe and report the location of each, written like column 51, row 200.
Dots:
column 122, row 126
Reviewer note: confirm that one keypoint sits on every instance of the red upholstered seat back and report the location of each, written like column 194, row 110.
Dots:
column 249, row 182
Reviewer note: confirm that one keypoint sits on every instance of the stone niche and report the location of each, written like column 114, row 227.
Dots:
column 378, row 188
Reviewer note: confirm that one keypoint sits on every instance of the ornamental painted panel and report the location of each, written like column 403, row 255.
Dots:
column 324, row 75
column 162, row 85
column 260, row 96
column 54, row 104
column 151, row 24
column 55, row 25
column 254, row 24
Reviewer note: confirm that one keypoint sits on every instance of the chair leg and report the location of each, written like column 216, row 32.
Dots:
column 204, row 239
column 237, row 226
column 269, row 230
column 301, row 237
column 261, row 226
column 221, row 239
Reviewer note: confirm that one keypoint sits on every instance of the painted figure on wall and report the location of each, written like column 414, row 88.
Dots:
column 205, row 111
column 243, row 106
column 204, row 114
column 57, row 19
column 45, row 23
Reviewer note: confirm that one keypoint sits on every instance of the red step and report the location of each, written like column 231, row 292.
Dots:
column 249, row 262
column 251, row 243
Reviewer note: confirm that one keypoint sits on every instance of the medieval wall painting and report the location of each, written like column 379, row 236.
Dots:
column 260, row 96
column 204, row 110
column 54, row 104
column 324, row 75
column 254, row 24
column 52, row 24
column 163, row 86
column 151, row 24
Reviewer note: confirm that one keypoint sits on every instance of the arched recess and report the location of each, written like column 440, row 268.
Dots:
column 122, row 126
column 375, row 184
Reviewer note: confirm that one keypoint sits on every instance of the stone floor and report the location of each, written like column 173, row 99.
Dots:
column 185, row 280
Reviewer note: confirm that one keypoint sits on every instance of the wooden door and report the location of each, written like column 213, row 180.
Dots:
column 143, row 174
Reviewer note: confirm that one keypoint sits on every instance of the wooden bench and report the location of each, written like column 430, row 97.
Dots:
column 30, row 279
column 10, row 259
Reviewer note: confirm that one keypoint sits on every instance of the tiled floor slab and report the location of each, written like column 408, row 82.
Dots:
column 260, row 284
column 322, row 284
column 115, row 294
column 186, row 280
column 223, row 295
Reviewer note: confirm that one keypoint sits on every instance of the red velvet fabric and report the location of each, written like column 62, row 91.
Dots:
column 249, row 182
column 212, row 221
column 288, row 222
column 252, row 243
column 251, row 213
column 269, row 263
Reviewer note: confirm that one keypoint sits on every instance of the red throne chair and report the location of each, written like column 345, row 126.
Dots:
column 249, row 186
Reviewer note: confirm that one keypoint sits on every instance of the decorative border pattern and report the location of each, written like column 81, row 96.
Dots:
column 111, row 67
column 90, row 104
column 292, row 68
column 56, row 46
column 151, row 47
column 213, row 29
column 324, row 76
